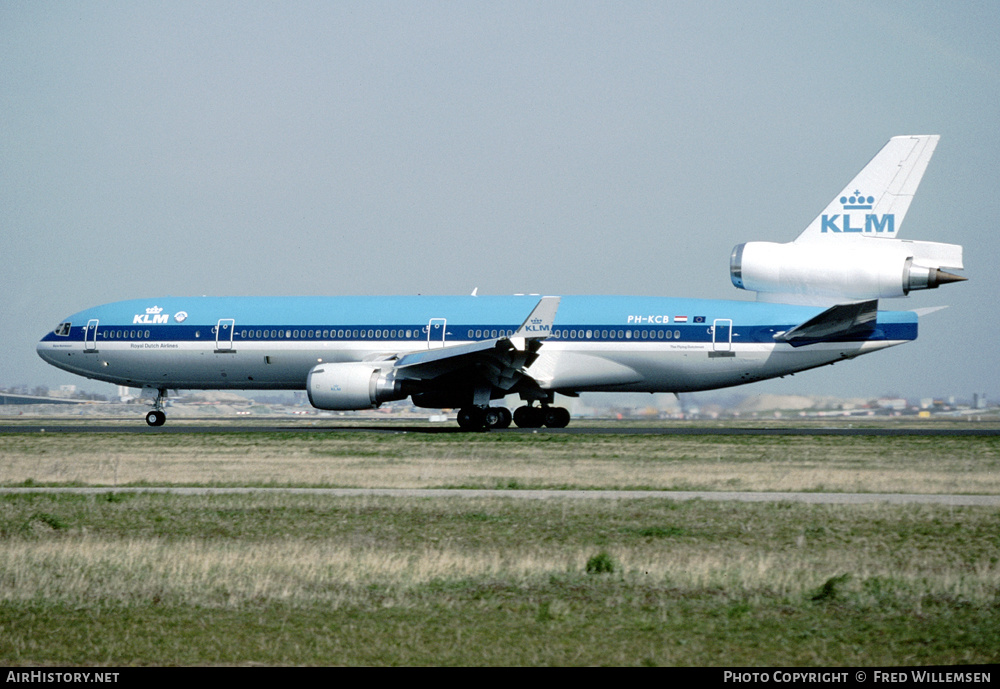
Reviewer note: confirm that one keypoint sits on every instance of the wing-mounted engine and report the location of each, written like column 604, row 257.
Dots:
column 865, row 268
column 354, row 385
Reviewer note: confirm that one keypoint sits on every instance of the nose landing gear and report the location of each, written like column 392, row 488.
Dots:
column 157, row 417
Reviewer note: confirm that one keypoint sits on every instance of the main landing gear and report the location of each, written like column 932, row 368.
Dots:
column 157, row 417
column 488, row 418
column 484, row 418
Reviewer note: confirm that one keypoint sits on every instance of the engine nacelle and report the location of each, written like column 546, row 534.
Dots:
column 354, row 385
column 862, row 269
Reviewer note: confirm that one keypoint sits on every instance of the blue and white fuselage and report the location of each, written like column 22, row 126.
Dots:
column 625, row 344
column 600, row 343
column 817, row 304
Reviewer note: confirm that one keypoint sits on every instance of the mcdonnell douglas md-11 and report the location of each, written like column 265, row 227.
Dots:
column 817, row 304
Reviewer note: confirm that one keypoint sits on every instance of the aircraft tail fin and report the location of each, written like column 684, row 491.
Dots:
column 876, row 200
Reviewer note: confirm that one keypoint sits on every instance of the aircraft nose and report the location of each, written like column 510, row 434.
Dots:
column 47, row 348
column 43, row 350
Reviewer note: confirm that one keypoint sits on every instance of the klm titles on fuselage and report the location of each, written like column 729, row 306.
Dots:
column 150, row 319
column 154, row 316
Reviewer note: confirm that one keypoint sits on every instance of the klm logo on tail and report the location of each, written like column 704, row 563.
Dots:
column 873, row 222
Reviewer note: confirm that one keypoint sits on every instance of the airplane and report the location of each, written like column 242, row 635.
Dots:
column 817, row 304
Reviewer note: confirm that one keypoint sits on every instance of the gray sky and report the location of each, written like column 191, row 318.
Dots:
column 311, row 148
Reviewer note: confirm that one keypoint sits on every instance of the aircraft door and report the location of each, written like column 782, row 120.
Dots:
column 436, row 332
column 224, row 335
column 722, row 335
column 90, row 336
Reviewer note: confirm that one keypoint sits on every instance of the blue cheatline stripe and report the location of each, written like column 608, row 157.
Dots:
column 379, row 332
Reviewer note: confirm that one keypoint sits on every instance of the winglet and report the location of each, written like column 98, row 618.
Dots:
column 538, row 324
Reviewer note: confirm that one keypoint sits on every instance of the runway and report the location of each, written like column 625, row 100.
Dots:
column 183, row 427
column 714, row 496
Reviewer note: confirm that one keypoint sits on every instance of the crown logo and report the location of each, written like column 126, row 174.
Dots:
column 154, row 310
column 536, row 321
column 857, row 202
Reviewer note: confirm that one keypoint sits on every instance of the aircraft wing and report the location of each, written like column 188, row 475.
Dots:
column 500, row 360
column 836, row 323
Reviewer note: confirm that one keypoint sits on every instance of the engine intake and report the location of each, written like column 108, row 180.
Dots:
column 354, row 385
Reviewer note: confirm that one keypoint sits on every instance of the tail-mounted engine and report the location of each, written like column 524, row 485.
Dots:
column 857, row 270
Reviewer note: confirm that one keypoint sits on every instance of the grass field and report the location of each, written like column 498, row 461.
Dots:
column 907, row 464
column 158, row 579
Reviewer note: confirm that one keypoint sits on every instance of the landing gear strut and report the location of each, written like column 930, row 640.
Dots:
column 157, row 417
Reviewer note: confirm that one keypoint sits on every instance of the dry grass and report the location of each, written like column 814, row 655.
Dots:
column 301, row 572
column 949, row 464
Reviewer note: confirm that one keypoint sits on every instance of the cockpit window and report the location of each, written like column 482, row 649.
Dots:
column 62, row 330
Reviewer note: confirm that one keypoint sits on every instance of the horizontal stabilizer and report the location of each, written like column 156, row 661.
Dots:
column 836, row 323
